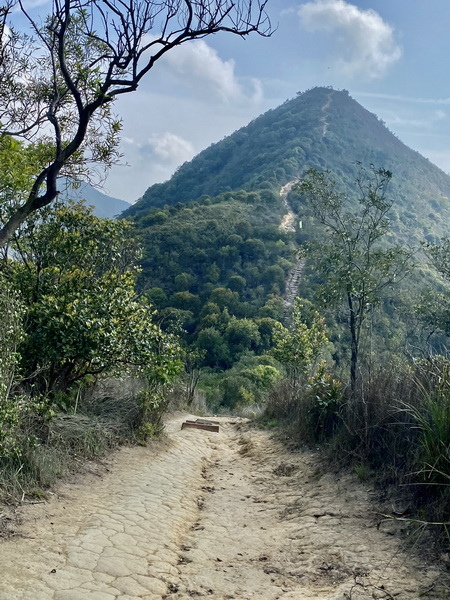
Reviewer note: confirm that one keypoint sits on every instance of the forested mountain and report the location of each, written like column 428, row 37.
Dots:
column 323, row 129
column 215, row 258
column 217, row 268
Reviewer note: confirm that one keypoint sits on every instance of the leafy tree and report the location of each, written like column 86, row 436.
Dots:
column 274, row 276
column 224, row 297
column 299, row 346
column 184, row 281
column 157, row 296
column 267, row 328
column 213, row 273
column 76, row 274
column 273, row 308
column 352, row 255
column 57, row 85
column 241, row 335
column 237, row 283
column 248, row 381
column 215, row 349
column 253, row 249
column 185, row 301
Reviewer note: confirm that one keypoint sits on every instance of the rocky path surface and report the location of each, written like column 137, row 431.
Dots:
column 294, row 275
column 325, row 107
column 219, row 515
column 288, row 220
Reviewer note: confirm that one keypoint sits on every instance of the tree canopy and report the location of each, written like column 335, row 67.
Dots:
column 351, row 251
column 76, row 275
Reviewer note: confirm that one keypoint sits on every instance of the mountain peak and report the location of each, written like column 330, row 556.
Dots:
column 320, row 128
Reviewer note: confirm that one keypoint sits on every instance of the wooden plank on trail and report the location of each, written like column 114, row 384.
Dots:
column 207, row 422
column 203, row 421
column 197, row 425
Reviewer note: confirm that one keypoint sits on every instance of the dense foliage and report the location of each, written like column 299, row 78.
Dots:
column 71, row 315
column 76, row 275
column 218, row 267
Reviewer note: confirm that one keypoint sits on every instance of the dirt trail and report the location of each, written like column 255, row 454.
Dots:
column 294, row 275
column 288, row 220
column 325, row 108
column 227, row 515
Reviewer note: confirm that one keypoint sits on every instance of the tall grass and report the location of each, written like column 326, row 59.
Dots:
column 432, row 419
column 309, row 409
column 47, row 444
column 397, row 427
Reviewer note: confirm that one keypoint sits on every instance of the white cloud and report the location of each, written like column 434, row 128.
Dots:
column 365, row 44
column 153, row 160
column 201, row 65
column 168, row 149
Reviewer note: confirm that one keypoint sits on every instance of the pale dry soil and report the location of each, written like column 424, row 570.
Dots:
column 220, row 515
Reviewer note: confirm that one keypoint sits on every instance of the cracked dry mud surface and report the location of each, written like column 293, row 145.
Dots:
column 227, row 515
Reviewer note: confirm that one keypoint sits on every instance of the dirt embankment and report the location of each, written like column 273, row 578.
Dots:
column 227, row 515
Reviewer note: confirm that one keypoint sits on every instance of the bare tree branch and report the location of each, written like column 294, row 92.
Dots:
column 57, row 87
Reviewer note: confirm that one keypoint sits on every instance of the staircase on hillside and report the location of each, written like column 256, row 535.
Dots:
column 292, row 283
column 294, row 276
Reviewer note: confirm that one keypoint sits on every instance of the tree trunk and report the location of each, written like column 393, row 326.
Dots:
column 354, row 344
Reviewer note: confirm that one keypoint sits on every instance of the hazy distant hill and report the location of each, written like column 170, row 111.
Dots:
column 321, row 128
column 104, row 206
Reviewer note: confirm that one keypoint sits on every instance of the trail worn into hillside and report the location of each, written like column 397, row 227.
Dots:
column 288, row 220
column 294, row 275
column 324, row 118
column 219, row 515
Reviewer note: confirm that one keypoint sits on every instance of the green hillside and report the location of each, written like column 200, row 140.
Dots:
column 211, row 267
column 215, row 260
column 323, row 129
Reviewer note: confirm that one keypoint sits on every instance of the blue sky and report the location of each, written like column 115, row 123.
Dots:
column 392, row 56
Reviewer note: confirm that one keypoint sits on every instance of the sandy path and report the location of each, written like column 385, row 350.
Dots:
column 228, row 515
column 288, row 220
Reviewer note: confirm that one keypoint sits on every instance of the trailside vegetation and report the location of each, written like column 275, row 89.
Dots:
column 71, row 318
column 350, row 253
column 190, row 288
column 385, row 413
column 71, row 313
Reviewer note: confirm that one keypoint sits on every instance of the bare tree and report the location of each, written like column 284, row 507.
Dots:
column 58, row 83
